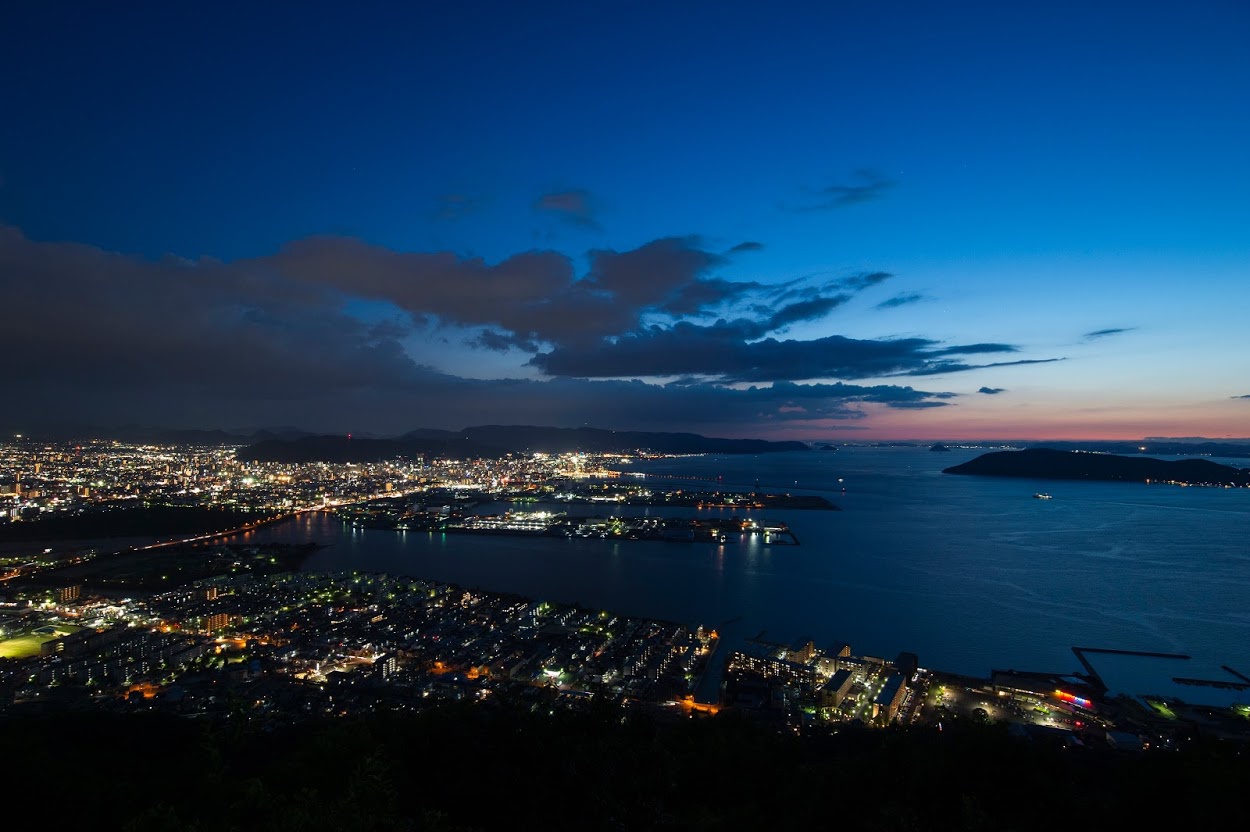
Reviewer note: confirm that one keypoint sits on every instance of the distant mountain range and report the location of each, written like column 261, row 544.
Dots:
column 499, row 439
column 1054, row 464
column 144, row 434
column 493, row 441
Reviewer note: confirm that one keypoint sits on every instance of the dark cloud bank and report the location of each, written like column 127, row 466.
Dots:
column 99, row 337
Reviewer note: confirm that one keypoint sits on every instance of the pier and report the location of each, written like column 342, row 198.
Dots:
column 1092, row 675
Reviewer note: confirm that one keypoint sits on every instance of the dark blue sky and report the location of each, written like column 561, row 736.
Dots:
column 1028, row 174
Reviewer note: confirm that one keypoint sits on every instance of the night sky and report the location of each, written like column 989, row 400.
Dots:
column 841, row 221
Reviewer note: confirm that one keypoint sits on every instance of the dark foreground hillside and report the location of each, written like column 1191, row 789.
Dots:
column 477, row 768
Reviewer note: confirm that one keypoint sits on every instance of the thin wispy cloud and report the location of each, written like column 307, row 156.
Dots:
column 941, row 368
column 456, row 206
column 864, row 280
column 900, row 300
column 865, row 186
column 575, row 207
column 1106, row 333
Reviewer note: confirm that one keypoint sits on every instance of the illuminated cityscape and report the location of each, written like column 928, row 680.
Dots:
column 446, row 417
column 173, row 623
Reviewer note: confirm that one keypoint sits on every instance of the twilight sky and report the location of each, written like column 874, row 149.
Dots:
column 821, row 221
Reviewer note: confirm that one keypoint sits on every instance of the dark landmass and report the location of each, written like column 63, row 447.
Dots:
column 516, row 440
column 167, row 567
column 494, row 441
column 646, row 528
column 939, row 447
column 1048, row 463
column 142, row 434
column 528, row 438
column 604, row 772
column 341, row 449
column 1157, row 447
column 681, row 498
column 128, row 520
column 726, row 499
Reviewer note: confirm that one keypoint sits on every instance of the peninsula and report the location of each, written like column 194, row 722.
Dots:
column 1051, row 464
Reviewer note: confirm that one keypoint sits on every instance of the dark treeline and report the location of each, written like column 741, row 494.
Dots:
column 462, row 768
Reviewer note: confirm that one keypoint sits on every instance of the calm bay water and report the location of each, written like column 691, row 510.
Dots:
column 971, row 573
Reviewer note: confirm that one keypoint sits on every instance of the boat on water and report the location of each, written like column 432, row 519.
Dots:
column 1042, row 496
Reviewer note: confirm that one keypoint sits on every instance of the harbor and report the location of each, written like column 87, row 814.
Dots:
column 733, row 529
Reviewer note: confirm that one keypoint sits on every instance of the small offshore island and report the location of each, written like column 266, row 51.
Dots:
column 1051, row 464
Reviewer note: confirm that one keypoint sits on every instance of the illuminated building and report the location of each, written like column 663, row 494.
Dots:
column 836, row 689
column 762, row 663
column 217, row 621
column 890, row 697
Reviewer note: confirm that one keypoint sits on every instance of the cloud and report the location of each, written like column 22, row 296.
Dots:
column 919, row 405
column 749, row 245
column 900, row 300
column 282, row 339
column 974, row 349
column 1247, row 396
column 866, row 186
column 804, row 310
column 175, row 325
column 248, row 346
column 703, row 406
column 943, row 367
column 1104, row 333
column 575, row 207
column 666, row 274
column 992, row 391
column 815, row 286
column 864, row 280
column 530, row 298
column 724, row 352
column 456, row 206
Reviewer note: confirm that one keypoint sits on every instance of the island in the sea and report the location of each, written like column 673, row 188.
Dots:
column 1051, row 464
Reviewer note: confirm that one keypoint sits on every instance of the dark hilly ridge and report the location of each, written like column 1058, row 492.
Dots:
column 1051, row 464
column 493, row 441
column 522, row 438
column 341, row 449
